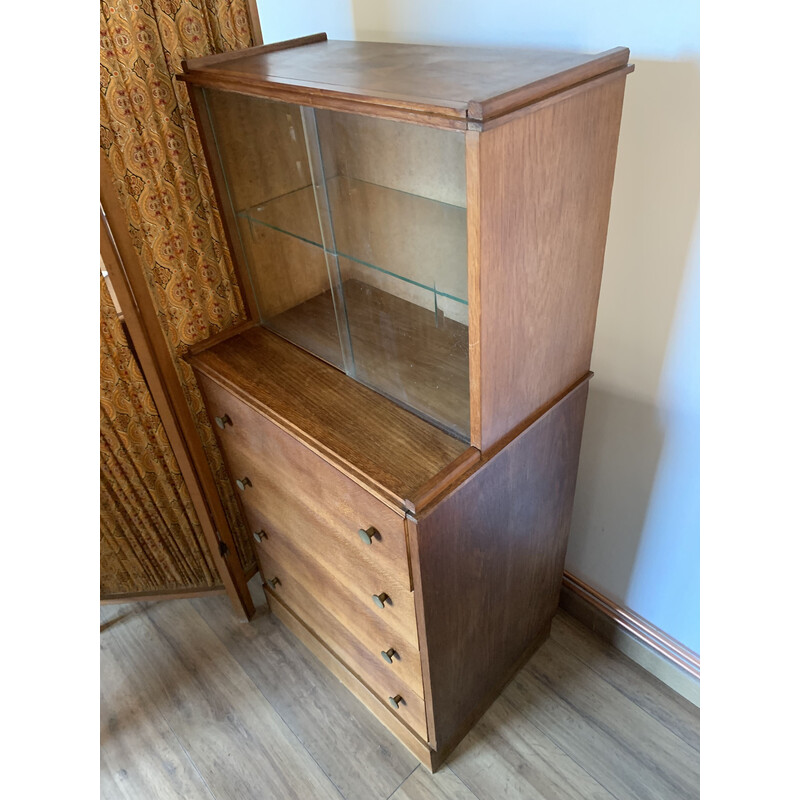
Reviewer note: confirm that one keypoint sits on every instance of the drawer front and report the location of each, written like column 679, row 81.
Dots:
column 316, row 610
column 392, row 627
column 299, row 494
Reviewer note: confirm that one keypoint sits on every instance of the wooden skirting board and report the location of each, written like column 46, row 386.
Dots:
column 648, row 646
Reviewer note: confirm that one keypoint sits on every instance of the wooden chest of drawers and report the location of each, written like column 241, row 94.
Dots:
column 425, row 606
column 330, row 552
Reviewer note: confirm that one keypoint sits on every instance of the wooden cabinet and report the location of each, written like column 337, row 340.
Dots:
column 418, row 234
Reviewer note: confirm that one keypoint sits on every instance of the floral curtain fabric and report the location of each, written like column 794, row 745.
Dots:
column 150, row 139
column 150, row 537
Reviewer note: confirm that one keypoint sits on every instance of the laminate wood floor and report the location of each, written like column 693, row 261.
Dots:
column 197, row 705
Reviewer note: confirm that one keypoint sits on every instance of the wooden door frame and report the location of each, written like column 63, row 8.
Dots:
column 255, row 23
column 128, row 279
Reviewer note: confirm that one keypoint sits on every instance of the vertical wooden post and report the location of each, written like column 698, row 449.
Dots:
column 125, row 269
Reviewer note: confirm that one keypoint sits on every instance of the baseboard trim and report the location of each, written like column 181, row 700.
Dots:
column 656, row 651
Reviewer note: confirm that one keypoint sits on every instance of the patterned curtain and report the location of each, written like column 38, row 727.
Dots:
column 149, row 136
column 150, row 537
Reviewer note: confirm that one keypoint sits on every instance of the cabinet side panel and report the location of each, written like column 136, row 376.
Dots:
column 545, row 186
column 488, row 561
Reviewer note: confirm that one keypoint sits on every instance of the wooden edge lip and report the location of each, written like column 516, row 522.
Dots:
column 466, row 470
column 439, row 482
column 232, row 55
column 492, row 107
column 639, row 627
column 228, row 333
column 430, row 113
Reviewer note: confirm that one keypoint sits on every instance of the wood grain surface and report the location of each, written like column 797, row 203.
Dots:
column 360, row 756
column 545, row 192
column 537, row 742
column 348, row 631
column 383, row 447
column 437, row 82
column 376, row 628
column 487, row 561
column 402, row 349
column 229, row 732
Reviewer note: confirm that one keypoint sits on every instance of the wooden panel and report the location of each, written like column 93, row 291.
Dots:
column 445, row 81
column 295, row 490
column 323, row 614
column 381, row 446
column 377, row 629
column 545, row 193
column 487, row 563
column 158, row 366
column 408, row 158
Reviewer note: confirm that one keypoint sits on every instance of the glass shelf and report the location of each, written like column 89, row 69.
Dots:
column 408, row 237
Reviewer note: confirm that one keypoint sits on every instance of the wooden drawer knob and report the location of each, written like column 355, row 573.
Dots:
column 380, row 599
column 274, row 582
column 223, row 421
column 366, row 535
column 243, row 483
column 395, row 701
column 387, row 655
column 259, row 535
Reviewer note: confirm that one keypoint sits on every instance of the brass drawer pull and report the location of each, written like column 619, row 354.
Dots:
column 387, row 655
column 243, row 483
column 223, row 421
column 381, row 599
column 395, row 701
column 274, row 582
column 366, row 535
column 259, row 535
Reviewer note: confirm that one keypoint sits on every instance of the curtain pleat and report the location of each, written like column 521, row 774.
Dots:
column 149, row 136
column 150, row 537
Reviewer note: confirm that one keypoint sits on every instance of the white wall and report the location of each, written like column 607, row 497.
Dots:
column 635, row 532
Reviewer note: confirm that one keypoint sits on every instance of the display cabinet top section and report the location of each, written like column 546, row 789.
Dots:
column 457, row 87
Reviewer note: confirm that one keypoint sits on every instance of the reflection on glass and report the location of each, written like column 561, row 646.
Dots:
column 354, row 230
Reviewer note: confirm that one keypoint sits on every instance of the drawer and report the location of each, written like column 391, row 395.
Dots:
column 377, row 629
column 317, row 611
column 301, row 495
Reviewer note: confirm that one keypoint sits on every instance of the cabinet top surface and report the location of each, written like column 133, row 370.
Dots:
column 366, row 435
column 474, row 82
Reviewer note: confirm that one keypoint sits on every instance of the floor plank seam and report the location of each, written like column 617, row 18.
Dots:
column 557, row 746
column 598, row 726
column 191, row 760
column 668, row 731
column 399, row 785
column 663, row 687
column 244, row 669
column 463, row 782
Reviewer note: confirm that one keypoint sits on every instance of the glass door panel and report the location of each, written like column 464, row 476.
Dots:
column 397, row 200
column 354, row 232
